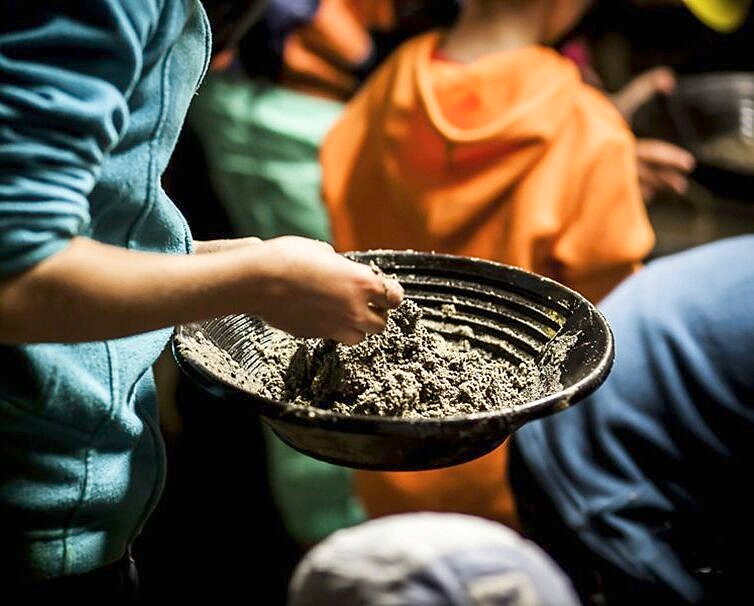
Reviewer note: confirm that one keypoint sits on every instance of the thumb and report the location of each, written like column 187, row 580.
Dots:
column 642, row 88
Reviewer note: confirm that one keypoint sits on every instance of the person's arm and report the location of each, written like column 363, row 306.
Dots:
column 92, row 291
column 662, row 166
column 66, row 75
column 209, row 246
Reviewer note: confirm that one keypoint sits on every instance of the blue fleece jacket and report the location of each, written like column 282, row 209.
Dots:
column 648, row 471
column 93, row 94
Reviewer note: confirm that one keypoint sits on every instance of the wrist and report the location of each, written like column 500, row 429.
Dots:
column 254, row 278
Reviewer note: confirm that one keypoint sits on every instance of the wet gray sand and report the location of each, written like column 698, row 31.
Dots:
column 406, row 371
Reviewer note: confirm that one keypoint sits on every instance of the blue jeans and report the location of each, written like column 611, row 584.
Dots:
column 643, row 478
column 598, row 581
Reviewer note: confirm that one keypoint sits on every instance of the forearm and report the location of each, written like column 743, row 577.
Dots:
column 93, row 291
column 211, row 246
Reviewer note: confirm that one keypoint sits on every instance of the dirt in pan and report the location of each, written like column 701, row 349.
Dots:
column 405, row 371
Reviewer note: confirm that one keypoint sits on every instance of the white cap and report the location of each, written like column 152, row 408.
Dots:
column 429, row 559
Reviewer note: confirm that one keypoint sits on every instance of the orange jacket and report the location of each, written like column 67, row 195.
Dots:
column 510, row 158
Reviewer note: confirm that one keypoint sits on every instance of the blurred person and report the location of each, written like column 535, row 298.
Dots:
column 97, row 265
column 484, row 141
column 429, row 559
column 637, row 490
column 266, row 106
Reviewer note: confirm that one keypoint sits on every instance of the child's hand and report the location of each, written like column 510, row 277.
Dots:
column 662, row 166
column 311, row 291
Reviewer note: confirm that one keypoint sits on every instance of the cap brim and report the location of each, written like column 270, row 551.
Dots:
column 721, row 15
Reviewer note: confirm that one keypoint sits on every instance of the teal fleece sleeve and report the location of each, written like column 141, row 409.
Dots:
column 66, row 73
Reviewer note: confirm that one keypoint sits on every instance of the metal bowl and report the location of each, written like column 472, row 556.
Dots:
column 703, row 108
column 522, row 314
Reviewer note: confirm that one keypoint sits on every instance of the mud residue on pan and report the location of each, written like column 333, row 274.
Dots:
column 406, row 371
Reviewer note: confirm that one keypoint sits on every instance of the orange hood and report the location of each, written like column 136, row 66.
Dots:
column 489, row 159
column 478, row 129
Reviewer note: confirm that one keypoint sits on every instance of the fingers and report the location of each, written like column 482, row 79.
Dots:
column 370, row 323
column 386, row 293
column 653, row 180
column 394, row 292
column 663, row 166
column 664, row 154
column 390, row 298
column 662, row 79
column 349, row 337
column 341, row 299
column 372, row 320
column 380, row 311
column 673, row 181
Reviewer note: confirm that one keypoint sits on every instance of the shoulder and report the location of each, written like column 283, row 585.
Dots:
column 600, row 124
column 407, row 56
column 393, row 83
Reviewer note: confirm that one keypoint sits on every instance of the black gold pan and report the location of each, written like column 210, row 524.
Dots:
column 525, row 315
